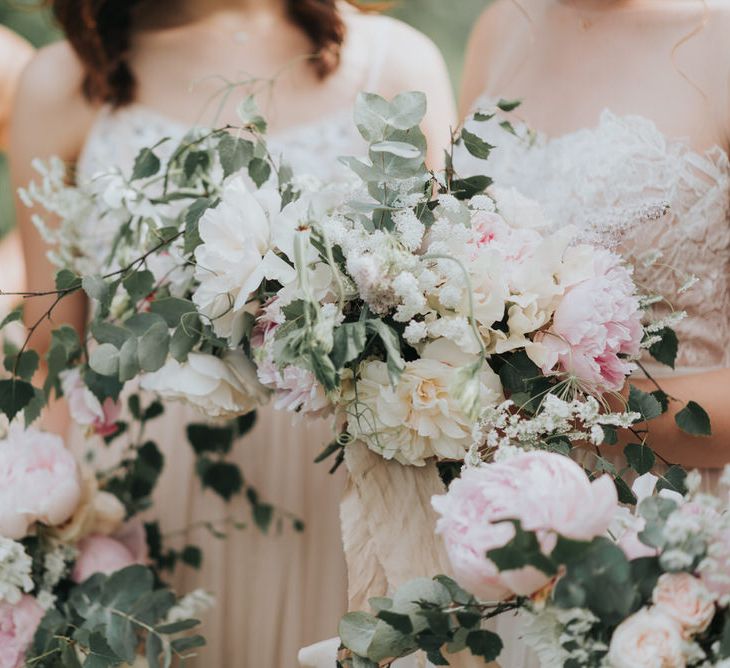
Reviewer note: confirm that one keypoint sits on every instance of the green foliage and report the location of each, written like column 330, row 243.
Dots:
column 644, row 403
column 665, row 350
column 640, row 457
column 694, row 420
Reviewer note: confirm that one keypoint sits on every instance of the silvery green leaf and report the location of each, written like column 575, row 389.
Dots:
column 372, row 113
column 128, row 360
column 408, row 110
column 387, row 641
column 235, row 154
column 139, row 284
column 356, row 631
column 95, row 287
column 249, row 114
column 377, row 603
column 259, row 170
column 172, row 309
column 141, row 322
column 104, row 359
column 398, row 148
column 363, row 169
column 192, row 218
column 421, row 589
column 153, row 347
column 146, row 164
column 644, row 403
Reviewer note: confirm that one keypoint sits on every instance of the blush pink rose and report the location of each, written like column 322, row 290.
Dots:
column 86, row 410
column 597, row 321
column 686, row 600
column 715, row 568
column 108, row 554
column 39, row 482
column 18, row 624
column 549, row 493
column 647, row 639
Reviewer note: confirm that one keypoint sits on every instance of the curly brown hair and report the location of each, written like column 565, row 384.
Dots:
column 100, row 33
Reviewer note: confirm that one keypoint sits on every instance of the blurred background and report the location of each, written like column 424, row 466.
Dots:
column 447, row 26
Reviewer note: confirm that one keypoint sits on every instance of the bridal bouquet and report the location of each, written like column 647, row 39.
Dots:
column 77, row 582
column 595, row 584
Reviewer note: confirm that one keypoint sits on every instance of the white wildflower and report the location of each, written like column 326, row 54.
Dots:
column 415, row 332
column 15, row 571
column 191, row 606
column 409, row 228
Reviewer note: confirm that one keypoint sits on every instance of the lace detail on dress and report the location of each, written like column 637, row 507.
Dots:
column 612, row 182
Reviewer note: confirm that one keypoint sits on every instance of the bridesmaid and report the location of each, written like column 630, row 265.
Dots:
column 122, row 80
column 628, row 111
column 15, row 53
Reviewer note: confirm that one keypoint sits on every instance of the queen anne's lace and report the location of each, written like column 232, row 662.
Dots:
column 613, row 182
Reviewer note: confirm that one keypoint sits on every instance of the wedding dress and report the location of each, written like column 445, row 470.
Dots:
column 277, row 592
column 608, row 181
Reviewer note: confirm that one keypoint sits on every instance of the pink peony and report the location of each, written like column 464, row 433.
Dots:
column 39, row 482
column 597, row 321
column 108, row 554
column 491, row 231
column 547, row 492
column 86, row 410
column 18, row 624
column 686, row 600
column 647, row 639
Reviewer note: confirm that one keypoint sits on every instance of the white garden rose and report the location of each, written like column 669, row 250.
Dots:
column 647, row 639
column 220, row 387
column 421, row 417
column 685, row 599
column 240, row 237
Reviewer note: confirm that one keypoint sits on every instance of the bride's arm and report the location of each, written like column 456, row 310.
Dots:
column 711, row 390
column 50, row 118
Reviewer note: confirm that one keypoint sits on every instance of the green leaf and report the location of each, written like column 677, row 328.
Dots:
column 481, row 117
column 398, row 621
column 644, row 403
column 185, row 337
column 195, row 161
column 407, row 110
column 349, row 341
column 465, row 189
column 485, row 644
column 235, row 154
column 523, row 550
column 476, row 145
column 102, row 387
column 396, row 364
column 640, row 457
column 259, row 170
column 146, row 164
column 673, row 479
column 129, row 360
column 139, row 284
column 223, row 478
column 694, row 420
column 178, row 627
column 192, row 556
column 135, row 407
column 508, row 105
column 141, row 323
column 154, row 410
column 33, row 409
column 625, row 494
column 23, row 365
column 356, row 631
column 372, row 113
column 15, row 395
column 192, row 218
column 248, row 112
column 181, row 645
column 95, row 287
column 263, row 513
column 14, row 316
column 397, row 148
column 105, row 332
column 205, row 438
column 172, row 309
column 724, row 648
column 104, row 359
column 245, row 423
column 665, row 351
column 67, row 280
column 153, row 347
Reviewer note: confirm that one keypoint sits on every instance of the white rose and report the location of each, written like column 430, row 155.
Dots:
column 518, row 210
column 238, row 252
column 221, row 387
column 686, row 600
column 647, row 638
column 421, row 417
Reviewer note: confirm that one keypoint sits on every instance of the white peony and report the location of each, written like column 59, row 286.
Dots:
column 240, row 237
column 421, row 417
column 220, row 387
column 647, row 638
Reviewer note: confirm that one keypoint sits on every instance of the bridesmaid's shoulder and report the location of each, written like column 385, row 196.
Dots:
column 405, row 52
column 499, row 19
column 50, row 105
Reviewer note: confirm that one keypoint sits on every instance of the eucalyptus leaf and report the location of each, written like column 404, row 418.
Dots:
column 259, row 170
column 153, row 347
column 397, row 148
column 356, row 631
column 104, row 359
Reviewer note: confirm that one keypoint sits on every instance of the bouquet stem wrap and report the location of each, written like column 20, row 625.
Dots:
column 388, row 531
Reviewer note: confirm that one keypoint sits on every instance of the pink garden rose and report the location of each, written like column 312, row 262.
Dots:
column 39, row 482
column 715, row 568
column 108, row 554
column 686, row 600
column 18, row 624
column 549, row 493
column 596, row 322
column 647, row 639
column 86, row 410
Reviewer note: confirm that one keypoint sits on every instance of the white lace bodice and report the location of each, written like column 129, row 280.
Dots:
column 312, row 148
column 609, row 181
